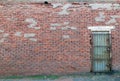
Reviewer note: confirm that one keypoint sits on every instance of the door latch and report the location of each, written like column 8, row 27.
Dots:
column 108, row 49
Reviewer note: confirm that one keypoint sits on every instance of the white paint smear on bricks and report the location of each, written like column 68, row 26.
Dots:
column 95, row 6
column 64, row 9
column 27, row 35
column 66, row 36
column 53, row 28
column 19, row 34
column 2, row 40
column 68, row 27
column 65, row 28
column 113, row 19
column 73, row 28
column 37, row 28
column 33, row 39
column 5, row 35
column 101, row 17
column 32, row 22
column 1, row 31
column 66, row 23
column 55, row 5
column 55, row 24
column 108, row 6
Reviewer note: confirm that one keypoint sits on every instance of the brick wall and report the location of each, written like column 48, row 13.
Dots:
column 58, row 0
column 53, row 38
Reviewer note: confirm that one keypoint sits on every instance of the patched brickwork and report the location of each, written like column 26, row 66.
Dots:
column 54, row 38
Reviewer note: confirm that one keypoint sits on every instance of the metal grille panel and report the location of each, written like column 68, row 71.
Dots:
column 101, row 51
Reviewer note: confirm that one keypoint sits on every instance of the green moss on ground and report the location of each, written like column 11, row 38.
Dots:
column 32, row 77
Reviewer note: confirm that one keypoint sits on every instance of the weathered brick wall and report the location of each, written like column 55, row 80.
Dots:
column 39, row 1
column 53, row 38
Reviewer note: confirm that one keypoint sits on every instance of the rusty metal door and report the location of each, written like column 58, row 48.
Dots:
column 101, row 61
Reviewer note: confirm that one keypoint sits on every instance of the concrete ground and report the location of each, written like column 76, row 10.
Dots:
column 88, row 77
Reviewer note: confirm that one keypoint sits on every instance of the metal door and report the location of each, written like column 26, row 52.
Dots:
column 101, row 61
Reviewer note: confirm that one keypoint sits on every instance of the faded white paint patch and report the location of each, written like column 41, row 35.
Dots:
column 1, row 31
column 64, row 12
column 116, row 6
column 53, row 28
column 66, row 36
column 113, row 20
column 68, row 27
column 12, row 19
column 73, row 28
column 108, row 6
column 55, row 24
column 28, row 35
column 65, row 28
column 32, row 22
column 66, row 23
column 33, row 39
column 66, row 6
column 115, row 16
column 19, row 34
column 101, row 17
column 37, row 28
column 95, row 6
column 55, row 5
column 2, row 40
column 64, row 9
column 5, row 35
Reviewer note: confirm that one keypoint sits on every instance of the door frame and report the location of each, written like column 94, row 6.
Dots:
column 101, row 29
column 92, row 49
